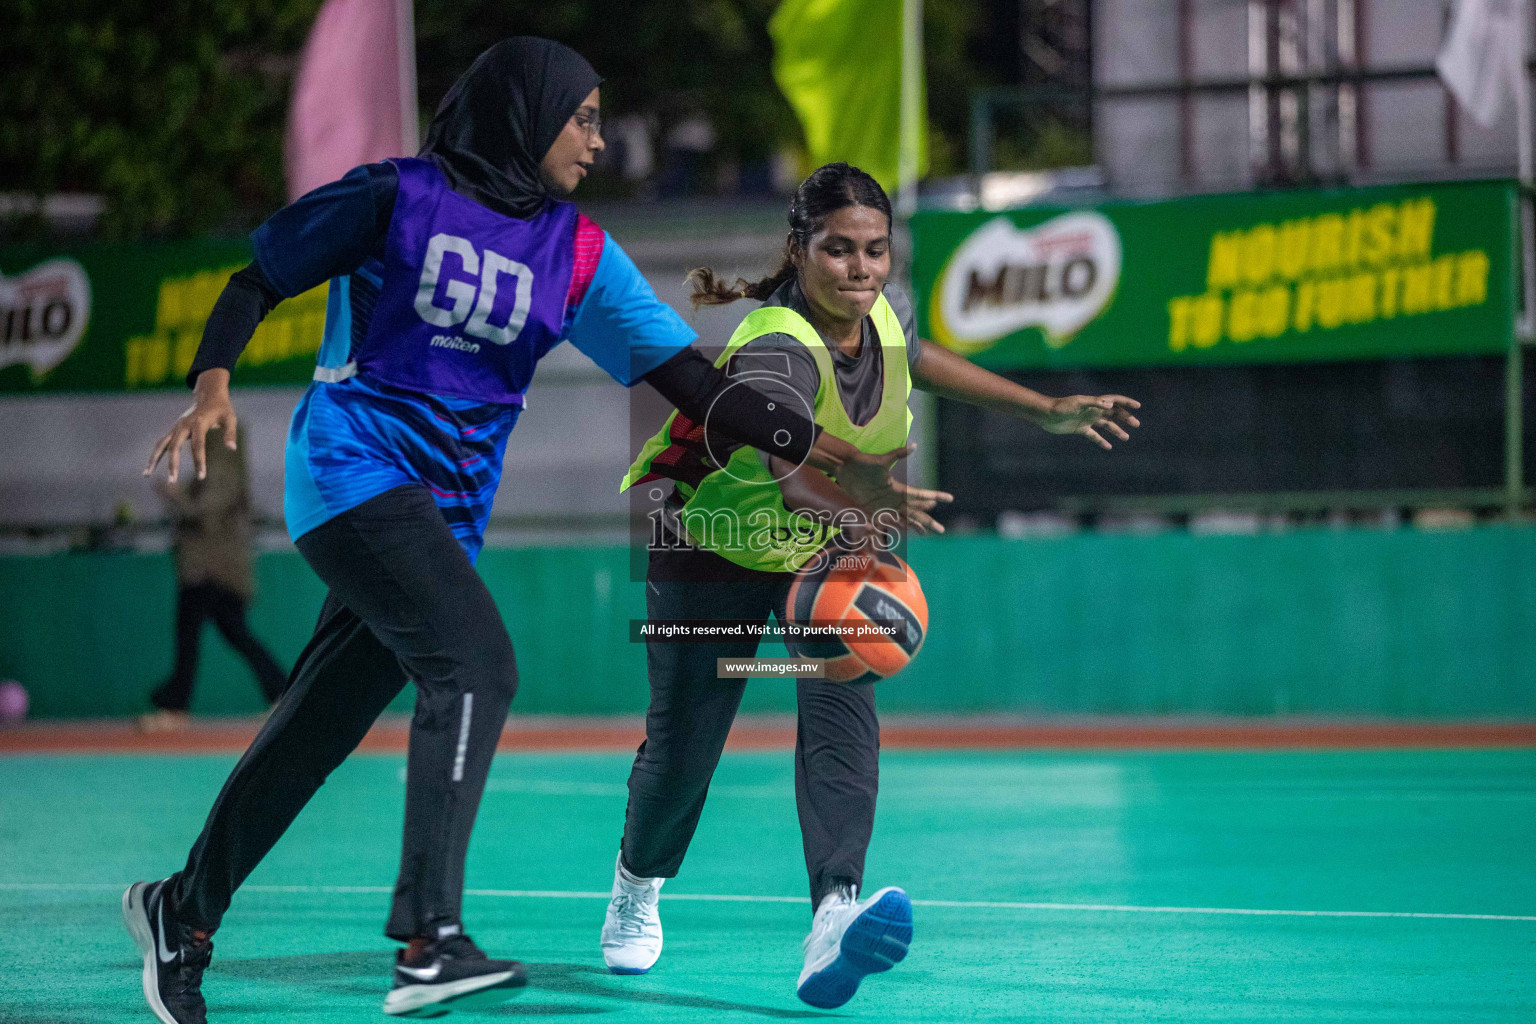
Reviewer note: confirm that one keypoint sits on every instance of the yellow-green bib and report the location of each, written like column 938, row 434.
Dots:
column 737, row 510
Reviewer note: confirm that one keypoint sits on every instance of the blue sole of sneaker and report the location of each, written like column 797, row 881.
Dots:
column 629, row 970
column 875, row 941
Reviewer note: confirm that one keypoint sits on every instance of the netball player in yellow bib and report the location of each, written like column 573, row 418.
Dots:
column 837, row 341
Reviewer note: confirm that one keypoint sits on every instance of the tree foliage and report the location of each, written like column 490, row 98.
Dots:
column 173, row 110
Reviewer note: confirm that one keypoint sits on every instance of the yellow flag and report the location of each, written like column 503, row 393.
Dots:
column 840, row 64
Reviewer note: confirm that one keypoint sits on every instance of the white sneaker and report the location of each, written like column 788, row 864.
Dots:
column 849, row 940
column 164, row 720
column 632, row 926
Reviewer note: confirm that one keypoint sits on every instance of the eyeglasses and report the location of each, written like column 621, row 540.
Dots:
column 592, row 124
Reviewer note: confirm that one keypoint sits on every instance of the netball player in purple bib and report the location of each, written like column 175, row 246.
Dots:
column 451, row 275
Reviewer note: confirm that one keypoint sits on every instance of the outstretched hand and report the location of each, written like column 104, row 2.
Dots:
column 867, row 478
column 211, row 407
column 1087, row 415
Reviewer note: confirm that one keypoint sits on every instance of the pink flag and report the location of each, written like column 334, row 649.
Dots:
column 354, row 99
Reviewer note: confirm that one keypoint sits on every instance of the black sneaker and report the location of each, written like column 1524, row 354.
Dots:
column 451, row 974
column 173, row 958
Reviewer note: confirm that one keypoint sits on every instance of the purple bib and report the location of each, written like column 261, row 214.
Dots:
column 470, row 299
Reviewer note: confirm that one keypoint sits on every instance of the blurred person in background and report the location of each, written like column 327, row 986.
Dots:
column 211, row 547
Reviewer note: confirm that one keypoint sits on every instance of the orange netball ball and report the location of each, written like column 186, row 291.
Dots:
column 854, row 589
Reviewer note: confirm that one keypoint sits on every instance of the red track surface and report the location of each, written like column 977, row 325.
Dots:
column 772, row 733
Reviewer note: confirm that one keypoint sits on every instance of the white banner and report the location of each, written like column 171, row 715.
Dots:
column 1480, row 62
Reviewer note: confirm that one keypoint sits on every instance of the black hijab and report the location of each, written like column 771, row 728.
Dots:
column 500, row 118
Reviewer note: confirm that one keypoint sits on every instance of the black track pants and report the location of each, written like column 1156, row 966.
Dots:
column 404, row 603
column 837, row 745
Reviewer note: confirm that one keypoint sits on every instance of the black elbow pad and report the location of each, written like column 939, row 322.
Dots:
column 735, row 410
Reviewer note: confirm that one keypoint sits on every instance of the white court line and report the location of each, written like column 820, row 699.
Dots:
column 563, row 894
column 552, row 788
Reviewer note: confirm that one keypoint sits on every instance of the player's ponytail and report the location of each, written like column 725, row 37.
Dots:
column 828, row 189
column 709, row 290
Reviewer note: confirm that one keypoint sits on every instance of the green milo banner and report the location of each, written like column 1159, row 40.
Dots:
column 1367, row 273
column 126, row 317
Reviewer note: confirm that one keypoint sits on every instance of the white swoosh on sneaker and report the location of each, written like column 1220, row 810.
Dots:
column 421, row 973
column 166, row 956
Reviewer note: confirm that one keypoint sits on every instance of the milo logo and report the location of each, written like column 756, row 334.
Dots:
column 1057, row 276
column 43, row 314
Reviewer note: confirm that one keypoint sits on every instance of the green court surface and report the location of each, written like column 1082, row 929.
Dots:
column 1093, row 887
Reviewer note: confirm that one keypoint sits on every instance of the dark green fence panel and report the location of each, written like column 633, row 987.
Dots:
column 1356, row 622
